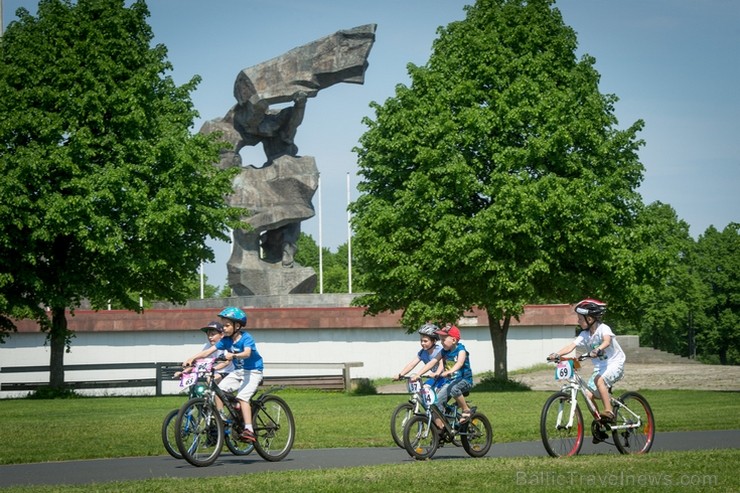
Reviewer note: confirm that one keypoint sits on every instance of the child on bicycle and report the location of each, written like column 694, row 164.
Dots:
column 428, row 338
column 457, row 371
column 242, row 351
column 606, row 354
column 214, row 332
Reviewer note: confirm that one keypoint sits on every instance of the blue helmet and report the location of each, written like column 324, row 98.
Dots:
column 234, row 314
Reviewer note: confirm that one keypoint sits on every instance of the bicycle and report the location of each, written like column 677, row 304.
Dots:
column 422, row 438
column 405, row 411
column 196, row 387
column 272, row 419
column 561, row 422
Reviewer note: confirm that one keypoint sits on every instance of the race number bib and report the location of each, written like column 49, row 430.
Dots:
column 188, row 379
column 201, row 366
column 564, row 370
column 428, row 396
column 414, row 386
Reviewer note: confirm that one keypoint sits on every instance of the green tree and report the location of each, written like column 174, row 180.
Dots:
column 106, row 195
column 497, row 178
column 718, row 266
column 664, row 251
column 335, row 268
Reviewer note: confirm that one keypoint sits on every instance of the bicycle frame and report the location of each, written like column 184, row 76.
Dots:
column 451, row 418
column 575, row 385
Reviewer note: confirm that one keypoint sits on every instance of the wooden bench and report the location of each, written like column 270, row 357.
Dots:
column 165, row 371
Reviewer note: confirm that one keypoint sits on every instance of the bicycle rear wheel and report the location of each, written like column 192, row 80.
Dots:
column 168, row 434
column 634, row 413
column 478, row 435
column 399, row 417
column 274, row 427
column 559, row 439
column 420, row 438
column 203, row 442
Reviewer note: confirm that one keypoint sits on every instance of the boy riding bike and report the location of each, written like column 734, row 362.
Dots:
column 599, row 341
column 242, row 351
column 428, row 338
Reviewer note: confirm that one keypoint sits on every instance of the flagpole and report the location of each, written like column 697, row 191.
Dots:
column 202, row 281
column 349, row 242
column 321, row 245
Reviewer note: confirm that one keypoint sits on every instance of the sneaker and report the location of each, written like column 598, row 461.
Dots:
column 248, row 436
column 608, row 417
column 599, row 436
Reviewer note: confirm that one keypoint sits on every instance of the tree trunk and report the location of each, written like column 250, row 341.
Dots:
column 722, row 355
column 499, row 331
column 58, row 336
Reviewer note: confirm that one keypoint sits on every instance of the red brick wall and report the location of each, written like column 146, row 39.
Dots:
column 281, row 318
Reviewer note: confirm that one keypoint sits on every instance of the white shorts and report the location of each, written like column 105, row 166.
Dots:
column 610, row 375
column 246, row 381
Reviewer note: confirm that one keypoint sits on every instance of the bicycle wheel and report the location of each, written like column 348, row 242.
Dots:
column 634, row 414
column 236, row 446
column 559, row 438
column 420, row 438
column 477, row 436
column 274, row 427
column 202, row 444
column 399, row 417
column 168, row 434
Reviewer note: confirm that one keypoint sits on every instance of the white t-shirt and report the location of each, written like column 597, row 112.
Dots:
column 613, row 354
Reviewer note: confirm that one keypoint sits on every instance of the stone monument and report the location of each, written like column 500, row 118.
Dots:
column 277, row 194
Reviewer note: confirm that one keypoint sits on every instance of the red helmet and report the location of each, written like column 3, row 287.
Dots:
column 591, row 307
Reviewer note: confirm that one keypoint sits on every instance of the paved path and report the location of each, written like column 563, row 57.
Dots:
column 134, row 468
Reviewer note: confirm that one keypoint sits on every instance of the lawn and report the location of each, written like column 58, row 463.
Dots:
column 102, row 427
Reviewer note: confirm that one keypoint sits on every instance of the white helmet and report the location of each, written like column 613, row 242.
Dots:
column 429, row 330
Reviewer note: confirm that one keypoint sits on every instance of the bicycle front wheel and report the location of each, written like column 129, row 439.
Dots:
column 634, row 430
column 274, row 427
column 420, row 438
column 202, row 443
column 477, row 437
column 561, row 436
column 168, row 434
column 399, row 417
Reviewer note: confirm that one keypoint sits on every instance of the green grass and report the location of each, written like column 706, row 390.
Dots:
column 710, row 470
column 119, row 427
column 89, row 428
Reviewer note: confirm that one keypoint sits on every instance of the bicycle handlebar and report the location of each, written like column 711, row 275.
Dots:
column 582, row 357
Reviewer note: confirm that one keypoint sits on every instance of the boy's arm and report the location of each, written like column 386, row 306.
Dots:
column 410, row 366
column 461, row 357
column 562, row 351
column 428, row 366
column 605, row 343
column 203, row 354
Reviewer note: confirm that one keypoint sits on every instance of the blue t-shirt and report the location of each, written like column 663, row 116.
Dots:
column 254, row 362
column 450, row 358
column 425, row 358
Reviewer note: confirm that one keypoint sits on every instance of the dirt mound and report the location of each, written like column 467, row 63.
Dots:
column 639, row 376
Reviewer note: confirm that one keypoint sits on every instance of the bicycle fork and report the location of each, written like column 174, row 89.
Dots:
column 571, row 412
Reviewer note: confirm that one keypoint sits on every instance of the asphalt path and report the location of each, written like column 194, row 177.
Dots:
column 82, row 472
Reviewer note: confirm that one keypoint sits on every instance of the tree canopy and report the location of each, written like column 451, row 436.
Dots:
column 499, row 177
column 106, row 195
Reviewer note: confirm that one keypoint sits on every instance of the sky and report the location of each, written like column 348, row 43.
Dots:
column 675, row 64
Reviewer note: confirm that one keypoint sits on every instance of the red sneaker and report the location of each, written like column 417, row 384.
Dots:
column 248, row 436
